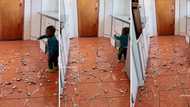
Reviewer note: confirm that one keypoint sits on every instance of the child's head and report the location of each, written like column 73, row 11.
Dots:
column 125, row 31
column 50, row 31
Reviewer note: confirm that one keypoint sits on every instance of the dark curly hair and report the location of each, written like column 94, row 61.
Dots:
column 125, row 31
column 51, row 29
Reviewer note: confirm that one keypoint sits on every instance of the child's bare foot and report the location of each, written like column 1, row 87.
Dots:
column 119, row 61
column 56, row 68
column 51, row 70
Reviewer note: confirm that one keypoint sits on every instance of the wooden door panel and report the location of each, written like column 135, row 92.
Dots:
column 165, row 10
column 11, row 19
column 88, row 17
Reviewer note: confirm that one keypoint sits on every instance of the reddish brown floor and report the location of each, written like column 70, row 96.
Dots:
column 24, row 81
column 168, row 74
column 94, row 77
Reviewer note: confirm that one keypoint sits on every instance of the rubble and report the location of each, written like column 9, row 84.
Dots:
column 74, row 62
column 2, row 67
column 8, row 83
column 106, row 91
column 94, row 97
column 27, row 54
column 32, row 83
column 91, row 74
column 75, row 105
column 55, row 94
column 19, row 91
column 94, row 67
column 77, row 94
column 164, row 65
column 18, row 79
column 28, row 94
column 14, row 87
column 99, row 70
column 41, row 84
column 49, row 81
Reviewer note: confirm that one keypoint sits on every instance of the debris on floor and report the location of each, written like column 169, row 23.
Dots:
column 2, row 68
column 167, row 73
column 93, row 73
column 25, row 75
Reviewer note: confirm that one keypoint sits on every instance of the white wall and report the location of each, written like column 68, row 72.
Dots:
column 50, row 5
column 101, row 17
column 150, row 13
column 27, row 19
column 106, row 23
column 32, row 16
column 109, row 8
column 71, row 17
column 36, row 7
column 180, row 17
column 121, row 7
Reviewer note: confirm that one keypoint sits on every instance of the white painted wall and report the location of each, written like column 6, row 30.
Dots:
column 180, row 17
column 121, row 7
column 150, row 13
column 32, row 17
column 50, row 5
column 36, row 7
column 101, row 17
column 27, row 19
column 188, row 22
column 188, row 7
column 71, row 18
column 106, row 25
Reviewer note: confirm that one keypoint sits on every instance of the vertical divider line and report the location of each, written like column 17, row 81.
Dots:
column 59, row 71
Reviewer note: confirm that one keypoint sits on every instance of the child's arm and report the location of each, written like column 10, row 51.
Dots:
column 42, row 37
column 116, row 37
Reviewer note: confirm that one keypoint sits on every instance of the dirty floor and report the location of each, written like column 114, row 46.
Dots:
column 24, row 81
column 94, row 77
column 168, row 75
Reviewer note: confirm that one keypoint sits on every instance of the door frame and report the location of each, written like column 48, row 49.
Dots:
column 98, row 12
column 23, row 17
column 174, row 25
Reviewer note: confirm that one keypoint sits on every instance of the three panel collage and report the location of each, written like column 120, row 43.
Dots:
column 94, row 53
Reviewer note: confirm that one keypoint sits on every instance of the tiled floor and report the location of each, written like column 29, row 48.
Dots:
column 24, row 81
column 94, row 77
column 168, row 74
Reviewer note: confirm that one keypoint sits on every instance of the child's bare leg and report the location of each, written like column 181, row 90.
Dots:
column 120, row 54
column 50, row 63
column 56, row 63
column 125, row 53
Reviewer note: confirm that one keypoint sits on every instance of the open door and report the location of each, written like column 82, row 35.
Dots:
column 11, row 19
column 165, row 14
column 137, row 18
column 88, row 17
